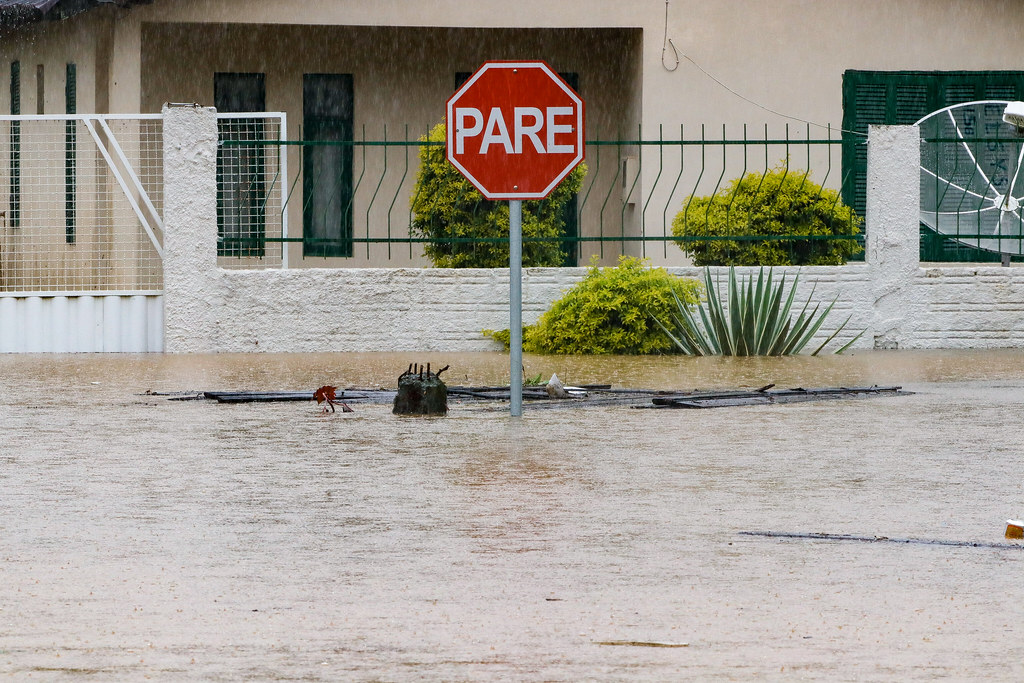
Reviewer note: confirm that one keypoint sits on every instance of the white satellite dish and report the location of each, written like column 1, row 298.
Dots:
column 971, row 185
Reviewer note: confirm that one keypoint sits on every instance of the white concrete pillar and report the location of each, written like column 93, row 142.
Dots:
column 893, row 239
column 192, row 299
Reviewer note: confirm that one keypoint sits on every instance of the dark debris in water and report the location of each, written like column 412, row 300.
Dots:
column 882, row 539
column 582, row 396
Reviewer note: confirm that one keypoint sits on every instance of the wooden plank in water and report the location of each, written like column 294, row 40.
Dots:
column 258, row 396
column 817, row 536
column 270, row 396
column 722, row 399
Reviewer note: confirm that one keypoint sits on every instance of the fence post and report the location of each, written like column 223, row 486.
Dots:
column 191, row 293
column 893, row 233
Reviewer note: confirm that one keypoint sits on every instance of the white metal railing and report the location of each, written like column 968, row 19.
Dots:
column 251, row 190
column 81, row 204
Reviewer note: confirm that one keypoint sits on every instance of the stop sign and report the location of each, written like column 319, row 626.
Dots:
column 515, row 130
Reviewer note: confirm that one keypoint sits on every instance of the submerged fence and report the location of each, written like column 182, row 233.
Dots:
column 353, row 198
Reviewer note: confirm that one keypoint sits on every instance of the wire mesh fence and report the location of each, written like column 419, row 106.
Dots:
column 81, row 203
column 252, row 225
column 642, row 195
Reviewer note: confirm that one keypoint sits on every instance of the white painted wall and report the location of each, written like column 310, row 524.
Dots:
column 208, row 309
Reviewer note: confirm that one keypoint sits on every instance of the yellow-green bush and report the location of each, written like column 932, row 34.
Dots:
column 612, row 310
column 446, row 206
column 780, row 202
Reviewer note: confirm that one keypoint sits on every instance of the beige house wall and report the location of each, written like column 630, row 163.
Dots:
column 788, row 55
column 54, row 45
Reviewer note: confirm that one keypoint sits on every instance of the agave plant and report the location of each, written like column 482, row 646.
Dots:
column 756, row 322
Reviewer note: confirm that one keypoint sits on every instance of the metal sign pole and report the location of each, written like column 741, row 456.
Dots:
column 515, row 274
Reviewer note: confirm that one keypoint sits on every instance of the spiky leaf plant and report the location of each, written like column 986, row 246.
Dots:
column 756, row 321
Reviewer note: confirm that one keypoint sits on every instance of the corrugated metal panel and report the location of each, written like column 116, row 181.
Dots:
column 128, row 323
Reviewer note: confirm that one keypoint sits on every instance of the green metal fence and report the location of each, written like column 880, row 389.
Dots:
column 635, row 189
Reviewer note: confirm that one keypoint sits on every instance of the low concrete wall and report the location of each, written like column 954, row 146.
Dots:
column 968, row 308
column 899, row 303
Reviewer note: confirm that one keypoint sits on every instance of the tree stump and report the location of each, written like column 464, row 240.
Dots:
column 421, row 392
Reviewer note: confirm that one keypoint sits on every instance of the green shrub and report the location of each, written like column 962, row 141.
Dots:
column 446, row 206
column 612, row 310
column 780, row 202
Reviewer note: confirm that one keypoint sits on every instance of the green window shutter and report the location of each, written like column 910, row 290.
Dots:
column 911, row 102
column 903, row 98
column 957, row 93
column 15, row 88
column 864, row 103
column 327, row 180
column 70, row 152
column 999, row 91
column 14, row 193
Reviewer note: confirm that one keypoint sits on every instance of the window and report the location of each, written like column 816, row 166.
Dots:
column 327, row 105
column 903, row 98
column 570, row 214
column 14, row 198
column 70, row 152
column 241, row 182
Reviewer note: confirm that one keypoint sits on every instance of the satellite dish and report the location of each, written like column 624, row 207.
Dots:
column 972, row 187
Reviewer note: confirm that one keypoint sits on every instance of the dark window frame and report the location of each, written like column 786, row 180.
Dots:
column 328, row 115
column 241, row 169
column 70, row 153
column 14, row 194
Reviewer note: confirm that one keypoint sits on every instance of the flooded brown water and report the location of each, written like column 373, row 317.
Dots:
column 142, row 538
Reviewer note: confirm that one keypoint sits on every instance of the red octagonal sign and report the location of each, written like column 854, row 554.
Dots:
column 515, row 130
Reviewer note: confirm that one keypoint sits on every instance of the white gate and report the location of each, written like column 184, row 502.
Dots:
column 81, row 233
column 81, row 224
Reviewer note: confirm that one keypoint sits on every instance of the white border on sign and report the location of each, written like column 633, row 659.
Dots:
column 450, row 137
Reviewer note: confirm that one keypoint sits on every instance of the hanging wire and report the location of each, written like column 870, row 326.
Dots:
column 667, row 43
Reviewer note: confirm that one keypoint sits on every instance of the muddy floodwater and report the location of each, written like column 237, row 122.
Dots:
column 148, row 539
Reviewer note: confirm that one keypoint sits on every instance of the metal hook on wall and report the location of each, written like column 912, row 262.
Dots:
column 667, row 43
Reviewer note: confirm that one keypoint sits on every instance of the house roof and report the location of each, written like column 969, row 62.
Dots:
column 16, row 12
column 19, row 12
